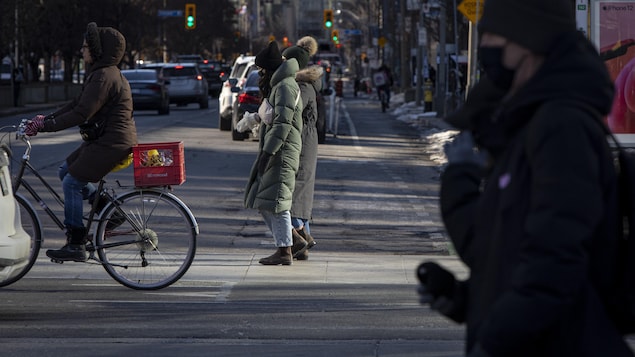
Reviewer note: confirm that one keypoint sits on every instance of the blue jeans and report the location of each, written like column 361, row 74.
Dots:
column 299, row 223
column 280, row 226
column 75, row 192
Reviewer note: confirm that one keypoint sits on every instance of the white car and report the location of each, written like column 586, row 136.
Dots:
column 15, row 243
column 242, row 66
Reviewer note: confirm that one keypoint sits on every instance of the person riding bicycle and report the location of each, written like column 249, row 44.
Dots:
column 382, row 79
column 103, row 112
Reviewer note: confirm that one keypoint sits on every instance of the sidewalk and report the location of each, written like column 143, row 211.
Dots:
column 43, row 108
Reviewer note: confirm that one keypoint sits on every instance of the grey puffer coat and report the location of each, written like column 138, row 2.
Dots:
column 310, row 82
column 273, row 191
column 105, row 98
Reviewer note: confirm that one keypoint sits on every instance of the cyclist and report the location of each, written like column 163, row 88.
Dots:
column 382, row 78
column 103, row 112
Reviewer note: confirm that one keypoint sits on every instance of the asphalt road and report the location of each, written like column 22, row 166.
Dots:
column 375, row 218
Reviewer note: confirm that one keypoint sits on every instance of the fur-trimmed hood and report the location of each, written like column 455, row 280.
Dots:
column 309, row 74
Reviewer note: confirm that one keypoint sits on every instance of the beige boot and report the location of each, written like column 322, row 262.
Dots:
column 281, row 257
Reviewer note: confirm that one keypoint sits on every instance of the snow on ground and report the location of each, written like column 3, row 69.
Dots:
column 434, row 132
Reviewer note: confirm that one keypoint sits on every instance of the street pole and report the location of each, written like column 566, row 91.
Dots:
column 441, row 70
column 422, row 36
column 403, row 44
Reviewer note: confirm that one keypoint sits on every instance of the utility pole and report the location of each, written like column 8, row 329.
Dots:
column 441, row 69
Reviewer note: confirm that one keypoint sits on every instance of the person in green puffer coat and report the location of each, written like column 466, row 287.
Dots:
column 272, row 178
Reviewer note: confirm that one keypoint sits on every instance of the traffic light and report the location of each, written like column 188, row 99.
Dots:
column 335, row 35
column 328, row 18
column 190, row 16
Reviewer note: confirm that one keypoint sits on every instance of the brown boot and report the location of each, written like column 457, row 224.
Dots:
column 282, row 256
column 309, row 239
column 303, row 256
column 299, row 244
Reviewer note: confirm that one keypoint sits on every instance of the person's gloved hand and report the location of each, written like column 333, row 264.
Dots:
column 248, row 122
column 462, row 150
column 439, row 288
column 34, row 125
column 478, row 351
column 263, row 161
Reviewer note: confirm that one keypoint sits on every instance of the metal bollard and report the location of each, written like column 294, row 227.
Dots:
column 331, row 109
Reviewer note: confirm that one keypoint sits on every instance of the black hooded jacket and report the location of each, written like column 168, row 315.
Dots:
column 538, row 231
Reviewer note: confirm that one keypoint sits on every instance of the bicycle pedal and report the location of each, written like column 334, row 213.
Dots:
column 57, row 261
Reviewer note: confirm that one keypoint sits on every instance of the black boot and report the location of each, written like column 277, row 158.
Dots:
column 75, row 248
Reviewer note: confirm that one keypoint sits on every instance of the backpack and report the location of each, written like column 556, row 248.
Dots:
column 624, row 295
column 620, row 302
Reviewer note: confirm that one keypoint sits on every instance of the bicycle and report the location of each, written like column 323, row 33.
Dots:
column 149, row 245
column 383, row 98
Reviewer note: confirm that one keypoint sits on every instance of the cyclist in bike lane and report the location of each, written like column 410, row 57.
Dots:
column 382, row 78
column 103, row 112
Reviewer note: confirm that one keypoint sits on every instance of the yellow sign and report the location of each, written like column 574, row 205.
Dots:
column 472, row 9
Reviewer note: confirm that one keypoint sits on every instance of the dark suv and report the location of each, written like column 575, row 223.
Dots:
column 212, row 71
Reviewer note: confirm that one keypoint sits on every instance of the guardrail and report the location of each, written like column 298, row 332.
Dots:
column 39, row 93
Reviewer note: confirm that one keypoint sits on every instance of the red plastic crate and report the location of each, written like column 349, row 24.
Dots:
column 158, row 164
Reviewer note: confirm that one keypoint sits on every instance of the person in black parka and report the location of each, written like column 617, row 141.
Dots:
column 529, row 195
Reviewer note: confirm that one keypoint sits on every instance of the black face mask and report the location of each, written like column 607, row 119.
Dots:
column 491, row 59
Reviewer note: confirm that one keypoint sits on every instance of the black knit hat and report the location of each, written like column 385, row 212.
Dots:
column 533, row 24
column 269, row 58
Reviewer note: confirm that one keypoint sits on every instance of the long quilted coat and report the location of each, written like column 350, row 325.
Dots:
column 273, row 191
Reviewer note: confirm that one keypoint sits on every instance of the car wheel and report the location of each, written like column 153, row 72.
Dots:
column 204, row 103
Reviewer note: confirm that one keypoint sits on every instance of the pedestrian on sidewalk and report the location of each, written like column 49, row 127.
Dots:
column 310, row 82
column 529, row 193
column 103, row 111
column 272, row 178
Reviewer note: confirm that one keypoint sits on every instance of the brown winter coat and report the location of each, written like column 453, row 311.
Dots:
column 105, row 98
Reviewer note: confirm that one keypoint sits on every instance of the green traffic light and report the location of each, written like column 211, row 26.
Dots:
column 328, row 24
column 190, row 21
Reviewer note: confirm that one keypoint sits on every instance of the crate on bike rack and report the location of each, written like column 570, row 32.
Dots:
column 159, row 164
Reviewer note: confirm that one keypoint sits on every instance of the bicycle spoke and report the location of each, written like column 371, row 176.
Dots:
column 155, row 244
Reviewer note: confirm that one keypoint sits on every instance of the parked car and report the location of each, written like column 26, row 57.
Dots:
column 248, row 99
column 189, row 58
column 212, row 70
column 242, row 66
column 149, row 92
column 158, row 66
column 15, row 243
column 187, row 84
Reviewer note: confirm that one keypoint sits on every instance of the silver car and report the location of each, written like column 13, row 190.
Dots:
column 187, row 84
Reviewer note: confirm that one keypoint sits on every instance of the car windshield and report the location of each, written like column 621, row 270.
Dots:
column 252, row 80
column 141, row 75
column 179, row 71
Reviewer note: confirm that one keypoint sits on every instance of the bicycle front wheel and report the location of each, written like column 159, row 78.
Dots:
column 33, row 227
column 147, row 240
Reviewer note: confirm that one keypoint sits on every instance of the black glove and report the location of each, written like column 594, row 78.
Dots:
column 263, row 161
column 463, row 150
column 439, row 288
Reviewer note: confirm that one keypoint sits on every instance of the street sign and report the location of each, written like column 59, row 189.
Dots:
column 352, row 32
column 170, row 13
column 472, row 9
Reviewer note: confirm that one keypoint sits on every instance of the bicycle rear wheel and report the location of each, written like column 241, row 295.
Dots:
column 153, row 245
column 33, row 227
